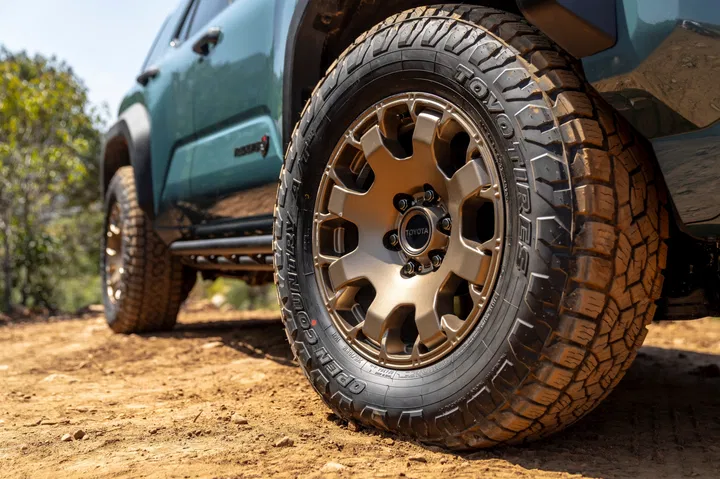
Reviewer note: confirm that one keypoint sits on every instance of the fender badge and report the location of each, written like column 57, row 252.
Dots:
column 262, row 147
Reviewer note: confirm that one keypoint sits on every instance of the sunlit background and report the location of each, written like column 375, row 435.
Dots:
column 64, row 66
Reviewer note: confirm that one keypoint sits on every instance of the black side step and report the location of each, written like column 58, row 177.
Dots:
column 246, row 245
column 247, row 253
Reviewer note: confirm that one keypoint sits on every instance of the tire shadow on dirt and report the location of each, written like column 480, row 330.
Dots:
column 256, row 338
column 663, row 420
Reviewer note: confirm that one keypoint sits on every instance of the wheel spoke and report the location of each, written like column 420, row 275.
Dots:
column 349, row 268
column 468, row 262
column 428, row 323
column 470, row 180
column 376, row 153
column 425, row 134
column 451, row 325
column 347, row 204
column 377, row 316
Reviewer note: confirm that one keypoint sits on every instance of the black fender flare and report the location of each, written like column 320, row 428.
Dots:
column 127, row 142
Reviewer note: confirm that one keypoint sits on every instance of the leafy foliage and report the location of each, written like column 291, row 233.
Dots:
column 49, row 199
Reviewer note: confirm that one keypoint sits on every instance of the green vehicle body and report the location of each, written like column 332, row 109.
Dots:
column 219, row 122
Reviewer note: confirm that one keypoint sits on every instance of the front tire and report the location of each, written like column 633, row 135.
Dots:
column 143, row 284
column 584, row 224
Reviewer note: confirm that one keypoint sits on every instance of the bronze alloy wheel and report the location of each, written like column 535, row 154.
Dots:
column 408, row 230
column 114, row 254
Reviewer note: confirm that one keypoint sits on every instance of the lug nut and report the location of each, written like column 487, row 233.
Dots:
column 429, row 196
column 393, row 240
column 436, row 260
column 446, row 223
column 403, row 204
column 409, row 269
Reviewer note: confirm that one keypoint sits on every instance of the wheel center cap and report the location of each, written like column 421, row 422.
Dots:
column 415, row 231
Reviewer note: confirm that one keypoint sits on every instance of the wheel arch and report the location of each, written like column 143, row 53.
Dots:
column 127, row 143
column 320, row 30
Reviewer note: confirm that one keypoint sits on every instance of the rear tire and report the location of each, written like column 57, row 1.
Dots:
column 585, row 228
column 144, row 288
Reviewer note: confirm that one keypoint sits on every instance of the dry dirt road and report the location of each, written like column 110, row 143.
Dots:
column 163, row 406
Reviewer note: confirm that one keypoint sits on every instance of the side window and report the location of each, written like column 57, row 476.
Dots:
column 161, row 45
column 183, row 33
column 205, row 11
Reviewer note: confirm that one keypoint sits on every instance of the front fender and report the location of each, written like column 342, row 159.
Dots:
column 128, row 143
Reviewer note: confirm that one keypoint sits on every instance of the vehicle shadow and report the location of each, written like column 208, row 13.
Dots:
column 257, row 338
column 663, row 420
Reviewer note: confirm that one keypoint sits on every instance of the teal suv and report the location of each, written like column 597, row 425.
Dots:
column 481, row 206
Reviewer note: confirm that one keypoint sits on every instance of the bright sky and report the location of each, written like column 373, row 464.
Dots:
column 104, row 41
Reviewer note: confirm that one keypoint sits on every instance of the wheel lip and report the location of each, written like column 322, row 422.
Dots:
column 490, row 158
column 114, row 240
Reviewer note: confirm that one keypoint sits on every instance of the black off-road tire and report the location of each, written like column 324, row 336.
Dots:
column 586, row 224
column 154, row 283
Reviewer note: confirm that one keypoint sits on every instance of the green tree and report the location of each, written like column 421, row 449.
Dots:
column 49, row 145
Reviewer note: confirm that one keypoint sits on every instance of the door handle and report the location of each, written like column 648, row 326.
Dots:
column 211, row 37
column 148, row 75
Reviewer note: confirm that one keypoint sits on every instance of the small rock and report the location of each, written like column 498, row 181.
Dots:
column 262, row 451
column 79, row 434
column 218, row 300
column 4, row 367
column 59, row 377
column 418, row 458
column 66, row 438
column 238, row 419
column 284, row 442
column 353, row 426
column 332, row 467
column 212, row 345
column 388, row 441
column 24, row 447
column 154, row 430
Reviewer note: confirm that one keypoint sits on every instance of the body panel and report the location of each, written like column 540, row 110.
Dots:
column 234, row 106
column 662, row 75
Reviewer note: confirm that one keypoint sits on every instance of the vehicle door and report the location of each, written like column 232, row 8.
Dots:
column 165, row 87
column 237, row 155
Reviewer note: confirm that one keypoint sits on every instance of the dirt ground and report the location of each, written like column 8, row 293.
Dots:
column 214, row 397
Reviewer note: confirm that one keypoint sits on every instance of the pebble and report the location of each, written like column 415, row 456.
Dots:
column 238, row 419
column 353, row 426
column 24, row 447
column 417, row 458
column 332, row 467
column 79, row 434
column 66, row 438
column 212, row 345
column 389, row 441
column 284, row 442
